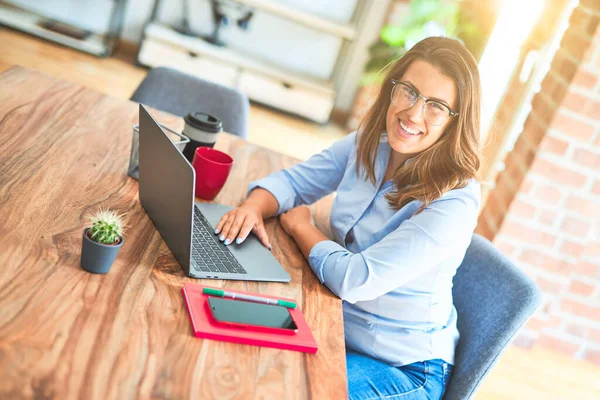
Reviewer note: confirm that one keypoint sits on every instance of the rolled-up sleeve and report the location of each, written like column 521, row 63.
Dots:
column 307, row 182
column 417, row 245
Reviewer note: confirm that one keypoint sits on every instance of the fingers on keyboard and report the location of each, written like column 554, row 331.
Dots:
column 222, row 222
column 231, row 232
column 245, row 231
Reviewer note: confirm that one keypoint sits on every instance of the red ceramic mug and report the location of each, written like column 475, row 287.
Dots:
column 212, row 169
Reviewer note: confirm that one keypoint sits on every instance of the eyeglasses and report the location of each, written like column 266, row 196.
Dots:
column 434, row 112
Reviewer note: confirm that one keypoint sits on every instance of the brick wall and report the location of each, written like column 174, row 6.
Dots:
column 544, row 211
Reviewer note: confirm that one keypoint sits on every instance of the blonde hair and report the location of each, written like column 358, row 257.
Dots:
column 455, row 158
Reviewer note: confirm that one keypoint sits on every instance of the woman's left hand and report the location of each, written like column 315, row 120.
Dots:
column 295, row 218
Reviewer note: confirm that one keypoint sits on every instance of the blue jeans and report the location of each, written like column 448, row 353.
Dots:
column 372, row 379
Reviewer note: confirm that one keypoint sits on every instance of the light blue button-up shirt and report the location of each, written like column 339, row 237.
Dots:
column 392, row 269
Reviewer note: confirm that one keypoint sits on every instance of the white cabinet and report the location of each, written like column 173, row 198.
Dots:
column 261, row 81
column 297, row 99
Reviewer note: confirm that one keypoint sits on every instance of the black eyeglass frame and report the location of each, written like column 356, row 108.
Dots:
column 420, row 96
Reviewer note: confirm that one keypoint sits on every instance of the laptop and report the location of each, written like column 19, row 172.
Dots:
column 166, row 188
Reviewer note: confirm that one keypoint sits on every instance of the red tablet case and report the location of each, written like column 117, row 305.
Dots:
column 204, row 325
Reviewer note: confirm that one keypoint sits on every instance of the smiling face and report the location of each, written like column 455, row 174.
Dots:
column 408, row 133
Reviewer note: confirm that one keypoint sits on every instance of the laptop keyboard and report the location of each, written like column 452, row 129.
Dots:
column 209, row 254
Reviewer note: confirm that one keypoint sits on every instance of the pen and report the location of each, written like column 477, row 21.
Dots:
column 247, row 297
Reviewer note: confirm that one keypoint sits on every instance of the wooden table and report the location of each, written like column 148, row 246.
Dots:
column 66, row 333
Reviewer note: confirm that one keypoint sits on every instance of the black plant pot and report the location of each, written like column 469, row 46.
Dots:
column 97, row 257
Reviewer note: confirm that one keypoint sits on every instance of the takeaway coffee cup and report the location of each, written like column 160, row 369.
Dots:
column 202, row 129
column 212, row 169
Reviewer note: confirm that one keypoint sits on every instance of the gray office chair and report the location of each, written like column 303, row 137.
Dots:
column 493, row 299
column 177, row 93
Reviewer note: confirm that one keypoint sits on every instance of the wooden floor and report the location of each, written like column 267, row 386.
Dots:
column 520, row 374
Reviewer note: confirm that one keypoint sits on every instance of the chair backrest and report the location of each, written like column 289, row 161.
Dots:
column 493, row 299
column 177, row 93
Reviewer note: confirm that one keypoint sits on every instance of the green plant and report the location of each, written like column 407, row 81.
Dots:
column 424, row 18
column 107, row 227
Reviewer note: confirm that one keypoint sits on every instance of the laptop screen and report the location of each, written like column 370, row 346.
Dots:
column 166, row 188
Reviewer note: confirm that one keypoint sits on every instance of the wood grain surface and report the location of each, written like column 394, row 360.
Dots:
column 66, row 333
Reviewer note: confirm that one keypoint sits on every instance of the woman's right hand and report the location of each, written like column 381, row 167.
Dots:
column 237, row 224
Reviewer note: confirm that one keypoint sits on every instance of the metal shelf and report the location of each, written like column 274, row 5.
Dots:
column 245, row 71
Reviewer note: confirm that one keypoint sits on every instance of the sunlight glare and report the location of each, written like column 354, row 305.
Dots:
column 514, row 24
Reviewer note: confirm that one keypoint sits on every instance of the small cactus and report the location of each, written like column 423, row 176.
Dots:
column 107, row 227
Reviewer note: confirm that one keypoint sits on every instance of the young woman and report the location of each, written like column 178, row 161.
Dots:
column 406, row 207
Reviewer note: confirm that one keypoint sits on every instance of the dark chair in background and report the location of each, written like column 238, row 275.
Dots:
column 493, row 299
column 177, row 93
